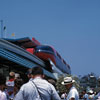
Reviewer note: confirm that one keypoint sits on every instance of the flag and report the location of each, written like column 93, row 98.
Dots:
column 13, row 34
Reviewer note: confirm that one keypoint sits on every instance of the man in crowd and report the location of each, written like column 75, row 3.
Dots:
column 29, row 74
column 10, row 85
column 91, row 95
column 37, row 88
column 73, row 93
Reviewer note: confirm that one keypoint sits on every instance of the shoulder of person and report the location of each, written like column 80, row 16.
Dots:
column 26, row 85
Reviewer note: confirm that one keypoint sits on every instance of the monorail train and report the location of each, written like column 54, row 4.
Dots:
column 46, row 52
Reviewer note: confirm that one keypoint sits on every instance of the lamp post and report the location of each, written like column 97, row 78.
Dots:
column 1, row 28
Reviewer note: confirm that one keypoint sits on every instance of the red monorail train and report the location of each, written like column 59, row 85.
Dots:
column 44, row 52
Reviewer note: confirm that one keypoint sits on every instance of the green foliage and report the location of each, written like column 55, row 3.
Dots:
column 62, row 88
column 78, row 83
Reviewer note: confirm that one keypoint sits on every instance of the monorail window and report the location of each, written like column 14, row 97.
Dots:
column 48, row 48
column 68, row 66
column 58, row 55
column 64, row 61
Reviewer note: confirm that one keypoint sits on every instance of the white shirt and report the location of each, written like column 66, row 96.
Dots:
column 63, row 96
column 85, row 96
column 29, row 92
column 91, row 97
column 3, row 95
column 73, row 93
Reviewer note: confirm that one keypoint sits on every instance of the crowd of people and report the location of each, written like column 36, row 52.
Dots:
column 90, row 95
column 38, row 88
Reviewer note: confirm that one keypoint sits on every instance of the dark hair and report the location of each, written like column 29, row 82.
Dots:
column 18, row 83
column 2, row 79
column 37, row 70
column 29, row 72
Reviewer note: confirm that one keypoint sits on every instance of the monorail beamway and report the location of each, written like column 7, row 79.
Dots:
column 14, row 58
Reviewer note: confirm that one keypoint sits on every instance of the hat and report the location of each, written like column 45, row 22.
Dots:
column 12, row 73
column 90, row 91
column 67, row 80
column 17, row 75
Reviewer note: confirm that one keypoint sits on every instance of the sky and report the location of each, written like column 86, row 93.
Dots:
column 72, row 27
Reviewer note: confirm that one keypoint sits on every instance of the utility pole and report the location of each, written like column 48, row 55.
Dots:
column 1, row 28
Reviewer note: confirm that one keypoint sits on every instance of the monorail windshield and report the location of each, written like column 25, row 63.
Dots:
column 44, row 48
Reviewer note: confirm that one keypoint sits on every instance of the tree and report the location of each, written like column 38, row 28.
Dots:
column 61, row 88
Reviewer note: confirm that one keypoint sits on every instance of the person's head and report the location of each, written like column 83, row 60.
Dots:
column 18, row 84
column 68, row 82
column 11, row 75
column 2, row 81
column 37, row 71
column 29, row 73
column 84, row 91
